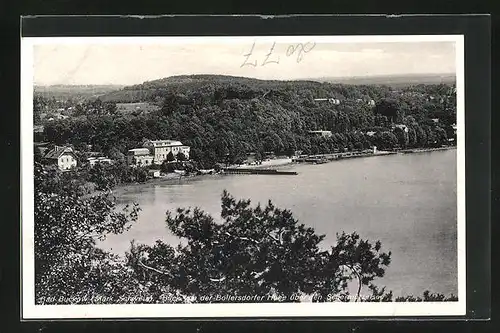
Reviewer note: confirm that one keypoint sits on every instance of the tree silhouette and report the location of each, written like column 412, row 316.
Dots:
column 261, row 251
column 67, row 226
column 170, row 157
column 181, row 157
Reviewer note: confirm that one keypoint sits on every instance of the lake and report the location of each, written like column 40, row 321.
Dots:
column 408, row 202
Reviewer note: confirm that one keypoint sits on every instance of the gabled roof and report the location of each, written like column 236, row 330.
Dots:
column 58, row 151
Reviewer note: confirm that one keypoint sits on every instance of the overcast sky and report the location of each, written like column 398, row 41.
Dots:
column 126, row 64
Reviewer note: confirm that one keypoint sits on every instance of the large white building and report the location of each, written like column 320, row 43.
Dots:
column 325, row 134
column 139, row 156
column 160, row 149
column 96, row 160
column 156, row 151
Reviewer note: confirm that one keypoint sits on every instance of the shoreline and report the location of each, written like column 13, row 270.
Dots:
column 425, row 150
column 281, row 164
column 122, row 188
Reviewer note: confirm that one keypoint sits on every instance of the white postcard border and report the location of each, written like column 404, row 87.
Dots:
column 31, row 311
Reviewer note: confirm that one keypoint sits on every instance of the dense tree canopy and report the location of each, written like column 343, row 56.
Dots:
column 220, row 118
column 67, row 226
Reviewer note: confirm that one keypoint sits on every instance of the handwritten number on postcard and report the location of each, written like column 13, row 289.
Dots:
column 298, row 49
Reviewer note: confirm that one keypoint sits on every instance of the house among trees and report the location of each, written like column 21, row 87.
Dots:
column 139, row 156
column 402, row 127
column 63, row 157
column 370, row 102
column 154, row 173
column 158, row 151
column 371, row 133
column 101, row 159
column 161, row 148
column 330, row 100
column 325, row 134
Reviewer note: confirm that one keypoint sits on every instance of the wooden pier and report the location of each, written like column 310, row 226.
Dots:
column 258, row 171
column 322, row 158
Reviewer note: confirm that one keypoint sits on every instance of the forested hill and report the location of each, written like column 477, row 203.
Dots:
column 221, row 116
column 182, row 84
column 147, row 90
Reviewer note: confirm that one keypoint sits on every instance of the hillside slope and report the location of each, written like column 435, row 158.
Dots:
column 225, row 117
column 327, row 87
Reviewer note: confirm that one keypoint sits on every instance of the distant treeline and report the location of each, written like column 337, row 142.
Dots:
column 64, row 92
column 226, row 117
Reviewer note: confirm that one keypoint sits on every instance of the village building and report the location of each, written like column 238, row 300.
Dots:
column 330, row 100
column 156, row 152
column 154, row 173
column 63, row 157
column 160, row 149
column 370, row 102
column 325, row 134
column 97, row 160
column 58, row 117
column 139, row 156
column 402, row 127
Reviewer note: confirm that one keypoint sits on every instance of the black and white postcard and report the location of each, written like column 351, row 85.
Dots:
column 267, row 176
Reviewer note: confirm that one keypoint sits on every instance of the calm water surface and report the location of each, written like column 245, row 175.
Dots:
column 408, row 202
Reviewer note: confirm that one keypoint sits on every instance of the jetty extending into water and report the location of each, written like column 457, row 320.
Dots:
column 258, row 171
column 323, row 158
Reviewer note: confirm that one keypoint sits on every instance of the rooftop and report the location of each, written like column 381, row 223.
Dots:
column 164, row 143
column 57, row 151
column 100, row 158
column 139, row 151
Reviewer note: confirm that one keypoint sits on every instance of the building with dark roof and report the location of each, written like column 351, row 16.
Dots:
column 63, row 157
